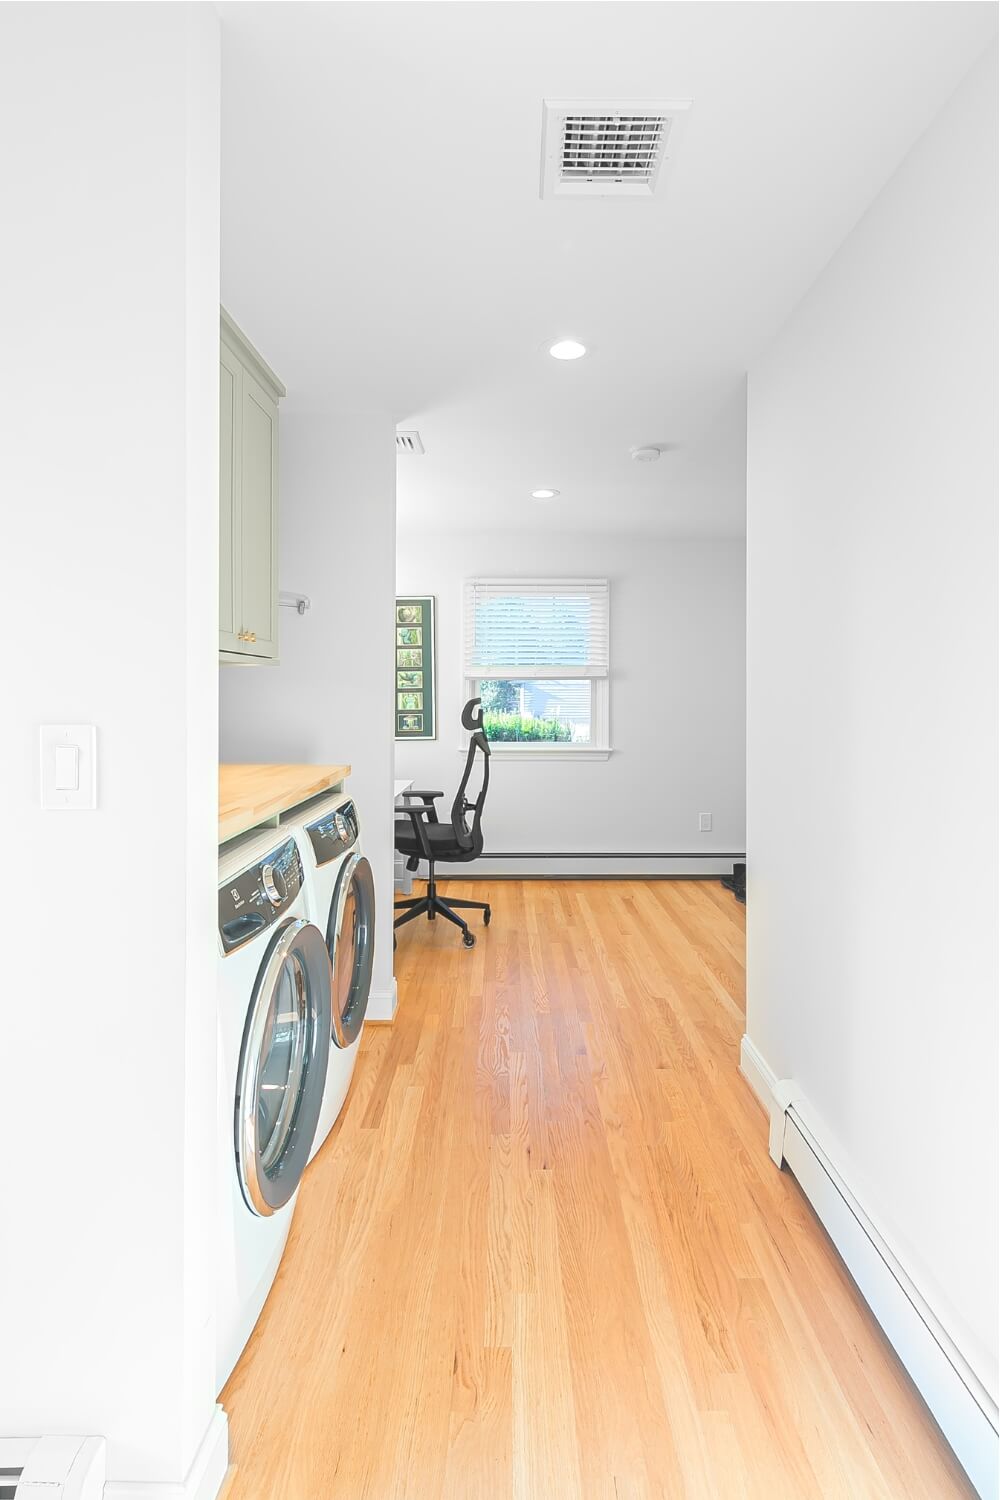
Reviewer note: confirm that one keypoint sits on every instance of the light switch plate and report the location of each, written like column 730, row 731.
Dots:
column 57, row 745
column 704, row 822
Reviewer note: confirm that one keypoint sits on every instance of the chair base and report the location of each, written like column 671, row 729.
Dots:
column 434, row 906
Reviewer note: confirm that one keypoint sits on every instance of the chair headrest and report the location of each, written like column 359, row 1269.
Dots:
column 472, row 714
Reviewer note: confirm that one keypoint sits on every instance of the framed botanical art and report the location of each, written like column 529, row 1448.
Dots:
column 416, row 715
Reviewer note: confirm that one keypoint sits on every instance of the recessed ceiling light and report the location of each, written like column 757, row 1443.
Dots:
column 567, row 349
column 544, row 494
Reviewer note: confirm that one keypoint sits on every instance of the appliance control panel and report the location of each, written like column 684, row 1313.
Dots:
column 252, row 900
column 333, row 833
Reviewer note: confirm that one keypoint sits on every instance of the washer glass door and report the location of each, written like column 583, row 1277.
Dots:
column 350, row 938
column 286, row 1046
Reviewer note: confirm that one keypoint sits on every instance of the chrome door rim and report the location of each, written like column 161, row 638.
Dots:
column 302, row 944
column 346, row 1032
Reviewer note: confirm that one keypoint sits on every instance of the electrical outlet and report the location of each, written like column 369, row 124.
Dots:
column 704, row 822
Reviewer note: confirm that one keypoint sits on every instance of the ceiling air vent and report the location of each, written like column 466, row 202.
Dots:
column 608, row 148
column 409, row 442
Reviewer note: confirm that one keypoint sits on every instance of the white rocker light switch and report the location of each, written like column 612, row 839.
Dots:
column 67, row 778
column 68, row 767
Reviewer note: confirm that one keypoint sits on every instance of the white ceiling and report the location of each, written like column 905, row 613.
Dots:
column 385, row 244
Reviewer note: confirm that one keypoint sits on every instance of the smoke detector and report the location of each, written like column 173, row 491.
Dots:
column 409, row 442
column 645, row 455
column 608, row 148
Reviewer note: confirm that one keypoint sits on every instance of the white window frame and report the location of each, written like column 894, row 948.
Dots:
column 600, row 694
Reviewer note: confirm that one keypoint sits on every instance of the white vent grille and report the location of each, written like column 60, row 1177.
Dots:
column 608, row 148
column 611, row 148
column 409, row 442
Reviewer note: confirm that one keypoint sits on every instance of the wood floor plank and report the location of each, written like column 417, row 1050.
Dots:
column 546, row 1454
column 544, row 1255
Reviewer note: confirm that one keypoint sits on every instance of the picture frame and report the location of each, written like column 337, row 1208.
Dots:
column 415, row 667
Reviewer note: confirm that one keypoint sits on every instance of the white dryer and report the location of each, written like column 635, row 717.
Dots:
column 341, row 902
column 274, row 1044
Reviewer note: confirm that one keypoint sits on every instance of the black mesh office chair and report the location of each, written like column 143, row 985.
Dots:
column 420, row 835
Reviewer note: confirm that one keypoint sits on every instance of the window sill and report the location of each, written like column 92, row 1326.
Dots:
column 539, row 752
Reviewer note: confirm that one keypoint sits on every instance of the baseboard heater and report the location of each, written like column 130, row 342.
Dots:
column 602, row 854
column 959, row 1402
column 599, row 864
column 52, row 1468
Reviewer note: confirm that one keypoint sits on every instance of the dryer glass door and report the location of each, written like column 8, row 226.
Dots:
column 283, row 1063
column 350, row 938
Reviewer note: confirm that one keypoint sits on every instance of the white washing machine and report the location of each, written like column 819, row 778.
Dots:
column 274, row 1045
column 341, row 902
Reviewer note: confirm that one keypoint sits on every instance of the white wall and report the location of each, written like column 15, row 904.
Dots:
column 109, row 292
column 677, row 703
column 330, row 700
column 872, row 694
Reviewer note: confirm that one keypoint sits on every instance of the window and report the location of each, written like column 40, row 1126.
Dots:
column 536, row 652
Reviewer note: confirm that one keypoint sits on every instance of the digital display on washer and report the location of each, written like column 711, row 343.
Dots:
column 334, row 832
column 252, row 900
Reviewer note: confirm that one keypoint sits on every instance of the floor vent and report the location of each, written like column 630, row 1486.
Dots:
column 608, row 148
column 409, row 442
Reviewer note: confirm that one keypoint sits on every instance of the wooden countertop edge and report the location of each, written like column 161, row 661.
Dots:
column 252, row 794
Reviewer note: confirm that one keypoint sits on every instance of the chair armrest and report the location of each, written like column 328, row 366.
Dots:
column 419, row 817
column 428, row 803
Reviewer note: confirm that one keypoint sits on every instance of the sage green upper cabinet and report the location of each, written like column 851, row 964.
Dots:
column 230, row 527
column 249, row 392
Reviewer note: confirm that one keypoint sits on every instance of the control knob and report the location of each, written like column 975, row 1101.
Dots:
column 273, row 882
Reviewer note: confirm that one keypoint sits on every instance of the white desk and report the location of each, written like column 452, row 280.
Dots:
column 402, row 879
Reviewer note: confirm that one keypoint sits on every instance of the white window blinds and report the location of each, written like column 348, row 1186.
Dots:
column 549, row 628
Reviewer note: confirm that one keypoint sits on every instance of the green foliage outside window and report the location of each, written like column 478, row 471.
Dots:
column 498, row 694
column 500, row 726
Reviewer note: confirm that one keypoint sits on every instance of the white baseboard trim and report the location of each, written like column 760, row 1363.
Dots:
column 757, row 1073
column 962, row 1407
column 382, row 1004
column 204, row 1479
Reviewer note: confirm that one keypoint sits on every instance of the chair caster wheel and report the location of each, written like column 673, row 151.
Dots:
column 469, row 939
column 487, row 917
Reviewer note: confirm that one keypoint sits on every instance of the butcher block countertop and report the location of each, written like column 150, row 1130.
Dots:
column 251, row 795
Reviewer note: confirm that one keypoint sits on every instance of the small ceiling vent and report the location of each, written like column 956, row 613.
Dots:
column 409, row 442
column 608, row 148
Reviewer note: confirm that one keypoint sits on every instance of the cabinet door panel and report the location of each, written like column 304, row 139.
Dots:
column 230, row 530
column 259, row 570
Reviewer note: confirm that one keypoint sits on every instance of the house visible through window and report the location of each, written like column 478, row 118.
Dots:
column 536, row 652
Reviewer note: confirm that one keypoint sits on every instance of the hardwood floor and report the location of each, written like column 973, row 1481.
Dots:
column 544, row 1254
